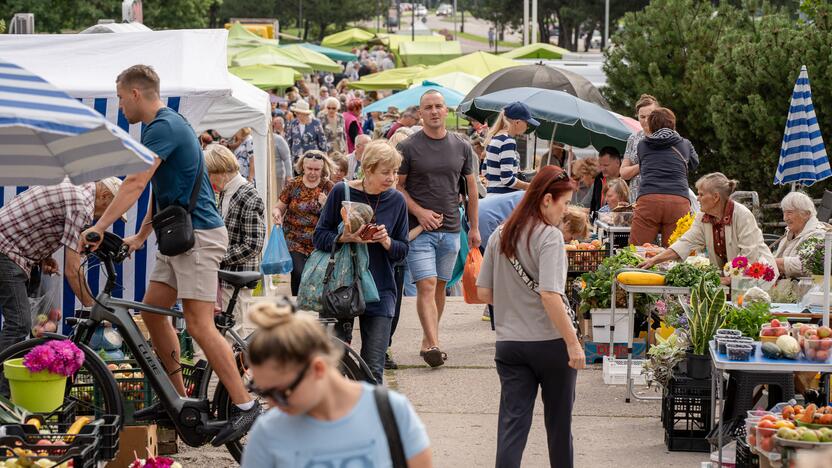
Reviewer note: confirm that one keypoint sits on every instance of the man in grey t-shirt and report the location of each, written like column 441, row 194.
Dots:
column 433, row 162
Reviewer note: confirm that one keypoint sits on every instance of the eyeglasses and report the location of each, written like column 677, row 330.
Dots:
column 317, row 156
column 281, row 397
column 332, row 108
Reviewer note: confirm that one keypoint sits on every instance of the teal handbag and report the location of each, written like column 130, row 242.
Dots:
column 311, row 289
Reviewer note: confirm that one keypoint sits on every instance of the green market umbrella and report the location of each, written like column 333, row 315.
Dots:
column 316, row 60
column 395, row 78
column 333, row 54
column 563, row 117
column 268, row 55
column 350, row 37
column 266, row 76
column 538, row 50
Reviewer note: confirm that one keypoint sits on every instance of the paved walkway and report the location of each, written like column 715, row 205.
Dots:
column 459, row 402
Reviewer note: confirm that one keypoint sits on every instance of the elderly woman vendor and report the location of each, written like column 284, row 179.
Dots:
column 801, row 224
column 724, row 228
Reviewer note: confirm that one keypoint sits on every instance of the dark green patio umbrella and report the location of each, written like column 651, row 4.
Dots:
column 571, row 120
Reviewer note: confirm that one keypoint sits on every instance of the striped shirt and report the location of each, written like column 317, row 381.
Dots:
column 501, row 164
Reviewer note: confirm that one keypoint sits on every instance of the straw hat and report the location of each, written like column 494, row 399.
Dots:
column 300, row 107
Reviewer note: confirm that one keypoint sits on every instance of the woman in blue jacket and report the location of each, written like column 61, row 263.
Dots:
column 386, row 246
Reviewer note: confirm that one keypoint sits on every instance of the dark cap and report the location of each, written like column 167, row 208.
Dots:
column 520, row 111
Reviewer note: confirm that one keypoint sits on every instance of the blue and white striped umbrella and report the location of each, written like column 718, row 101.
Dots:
column 46, row 135
column 802, row 155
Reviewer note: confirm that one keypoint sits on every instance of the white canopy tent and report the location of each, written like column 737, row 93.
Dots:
column 116, row 28
column 194, row 78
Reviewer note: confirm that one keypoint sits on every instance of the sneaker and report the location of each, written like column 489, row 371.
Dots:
column 389, row 363
column 154, row 412
column 238, row 424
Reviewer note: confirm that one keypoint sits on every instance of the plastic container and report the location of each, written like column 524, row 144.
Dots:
column 728, row 332
column 722, row 342
column 819, row 350
column 739, row 351
column 615, row 371
column 769, row 334
column 765, row 439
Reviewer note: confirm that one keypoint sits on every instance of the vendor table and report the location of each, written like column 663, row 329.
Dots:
column 608, row 232
column 631, row 292
column 757, row 363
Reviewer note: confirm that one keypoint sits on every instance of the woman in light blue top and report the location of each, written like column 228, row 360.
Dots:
column 317, row 416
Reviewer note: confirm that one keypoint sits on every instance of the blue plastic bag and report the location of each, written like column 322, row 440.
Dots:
column 276, row 260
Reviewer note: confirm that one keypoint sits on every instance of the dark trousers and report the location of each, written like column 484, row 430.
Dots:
column 298, row 262
column 523, row 367
column 375, row 334
column 398, row 273
column 14, row 305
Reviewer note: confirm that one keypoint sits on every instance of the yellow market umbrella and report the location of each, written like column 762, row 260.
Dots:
column 396, row 78
column 428, row 53
column 538, row 50
column 394, row 41
column 268, row 55
column 350, row 37
column 457, row 81
column 238, row 34
column 316, row 60
column 267, row 76
column 479, row 64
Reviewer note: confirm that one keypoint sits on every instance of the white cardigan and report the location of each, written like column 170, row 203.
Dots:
column 790, row 243
column 742, row 238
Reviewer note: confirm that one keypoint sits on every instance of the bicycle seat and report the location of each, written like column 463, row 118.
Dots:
column 241, row 279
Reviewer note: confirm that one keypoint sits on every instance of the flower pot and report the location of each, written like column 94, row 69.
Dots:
column 38, row 392
column 698, row 366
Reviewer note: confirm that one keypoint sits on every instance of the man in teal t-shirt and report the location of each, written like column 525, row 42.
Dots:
column 191, row 276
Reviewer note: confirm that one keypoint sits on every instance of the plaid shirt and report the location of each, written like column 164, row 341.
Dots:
column 39, row 221
column 246, row 230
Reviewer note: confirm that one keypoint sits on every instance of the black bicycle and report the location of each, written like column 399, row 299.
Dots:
column 196, row 419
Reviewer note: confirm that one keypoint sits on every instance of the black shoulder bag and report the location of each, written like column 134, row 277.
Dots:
column 345, row 302
column 391, row 429
column 173, row 226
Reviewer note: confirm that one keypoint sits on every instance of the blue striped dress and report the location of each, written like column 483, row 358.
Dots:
column 501, row 164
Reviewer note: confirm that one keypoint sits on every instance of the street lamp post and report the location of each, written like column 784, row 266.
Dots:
column 412, row 22
column 606, row 22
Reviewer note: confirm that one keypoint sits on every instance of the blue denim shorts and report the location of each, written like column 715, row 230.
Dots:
column 433, row 254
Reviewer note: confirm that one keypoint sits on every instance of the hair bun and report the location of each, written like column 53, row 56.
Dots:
column 268, row 316
column 733, row 184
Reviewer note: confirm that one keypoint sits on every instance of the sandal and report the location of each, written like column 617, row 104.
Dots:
column 434, row 357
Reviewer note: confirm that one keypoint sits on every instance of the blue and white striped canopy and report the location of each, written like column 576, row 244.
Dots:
column 46, row 135
column 803, row 156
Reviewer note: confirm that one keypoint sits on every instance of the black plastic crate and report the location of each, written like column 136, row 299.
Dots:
column 192, row 374
column 109, row 430
column 745, row 457
column 134, row 387
column 583, row 261
column 686, row 415
column 81, row 449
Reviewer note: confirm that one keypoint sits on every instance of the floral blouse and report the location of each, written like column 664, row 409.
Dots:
column 302, row 213
column 334, row 132
column 312, row 137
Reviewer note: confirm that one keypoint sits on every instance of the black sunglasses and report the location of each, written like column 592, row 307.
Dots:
column 317, row 156
column 281, row 397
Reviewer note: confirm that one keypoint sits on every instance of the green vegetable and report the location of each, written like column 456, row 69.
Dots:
column 663, row 357
column 771, row 351
column 749, row 319
column 596, row 294
column 685, row 275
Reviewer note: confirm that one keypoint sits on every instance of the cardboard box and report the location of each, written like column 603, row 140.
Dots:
column 595, row 351
column 135, row 441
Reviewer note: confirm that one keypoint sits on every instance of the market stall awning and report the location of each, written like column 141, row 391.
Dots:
column 394, row 41
column 348, row 38
column 333, row 54
column 316, row 60
column 266, row 76
column 396, row 78
column 428, row 53
column 480, row 64
column 457, row 81
column 538, row 50
column 238, row 34
column 405, row 99
column 269, row 55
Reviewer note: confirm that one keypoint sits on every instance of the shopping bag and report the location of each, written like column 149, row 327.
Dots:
column 276, row 259
column 469, row 277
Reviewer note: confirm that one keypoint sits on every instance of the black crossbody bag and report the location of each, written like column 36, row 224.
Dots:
column 173, row 226
column 391, row 429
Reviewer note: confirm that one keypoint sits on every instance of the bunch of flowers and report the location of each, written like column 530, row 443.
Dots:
column 811, row 253
column 57, row 356
column 682, row 225
column 158, row 462
column 741, row 267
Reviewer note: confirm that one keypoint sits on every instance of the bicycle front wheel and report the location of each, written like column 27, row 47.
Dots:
column 92, row 391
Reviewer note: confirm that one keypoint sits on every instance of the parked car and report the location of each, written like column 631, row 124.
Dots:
column 421, row 10
column 405, row 6
column 595, row 42
column 444, row 9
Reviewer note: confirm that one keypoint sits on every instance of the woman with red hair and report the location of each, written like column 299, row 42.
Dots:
column 352, row 122
column 523, row 275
